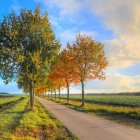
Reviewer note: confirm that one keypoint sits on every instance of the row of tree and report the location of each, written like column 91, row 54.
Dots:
column 31, row 55
column 84, row 59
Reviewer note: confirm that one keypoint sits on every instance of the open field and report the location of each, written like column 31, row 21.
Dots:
column 123, row 109
column 114, row 100
column 19, row 122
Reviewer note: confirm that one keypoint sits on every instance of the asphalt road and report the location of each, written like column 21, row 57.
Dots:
column 89, row 127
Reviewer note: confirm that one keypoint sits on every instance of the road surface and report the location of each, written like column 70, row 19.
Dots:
column 89, row 127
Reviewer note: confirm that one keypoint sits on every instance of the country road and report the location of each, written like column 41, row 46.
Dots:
column 89, row 127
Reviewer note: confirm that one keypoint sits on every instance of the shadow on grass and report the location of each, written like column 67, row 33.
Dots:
column 130, row 118
column 17, row 119
column 10, row 104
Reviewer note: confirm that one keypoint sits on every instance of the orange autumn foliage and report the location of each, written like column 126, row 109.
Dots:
column 89, row 58
column 64, row 70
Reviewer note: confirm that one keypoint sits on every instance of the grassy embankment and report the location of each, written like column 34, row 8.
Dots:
column 19, row 122
column 123, row 109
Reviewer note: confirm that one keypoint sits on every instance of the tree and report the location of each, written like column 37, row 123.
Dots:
column 33, row 46
column 64, row 70
column 57, row 79
column 90, row 60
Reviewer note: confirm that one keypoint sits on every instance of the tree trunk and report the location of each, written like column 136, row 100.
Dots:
column 31, row 94
column 48, row 94
column 33, row 88
column 83, row 93
column 68, row 90
column 51, row 94
column 59, row 93
column 55, row 94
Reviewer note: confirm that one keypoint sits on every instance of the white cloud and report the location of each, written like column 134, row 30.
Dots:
column 114, row 82
column 120, row 56
column 67, row 7
column 70, row 35
column 123, row 17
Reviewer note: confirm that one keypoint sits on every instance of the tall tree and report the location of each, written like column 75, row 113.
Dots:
column 64, row 70
column 33, row 46
column 90, row 60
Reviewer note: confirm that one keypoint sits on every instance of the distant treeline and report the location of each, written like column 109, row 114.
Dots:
column 122, row 93
column 116, row 94
column 5, row 95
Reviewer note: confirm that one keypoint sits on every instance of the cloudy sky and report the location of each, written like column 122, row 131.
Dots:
column 115, row 23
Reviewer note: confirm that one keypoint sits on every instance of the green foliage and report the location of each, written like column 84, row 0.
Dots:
column 28, row 48
column 8, row 47
column 39, row 47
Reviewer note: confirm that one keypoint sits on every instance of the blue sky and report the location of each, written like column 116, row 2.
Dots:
column 115, row 23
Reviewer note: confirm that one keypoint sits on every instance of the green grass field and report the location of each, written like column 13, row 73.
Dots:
column 8, row 100
column 123, row 109
column 19, row 122
column 115, row 100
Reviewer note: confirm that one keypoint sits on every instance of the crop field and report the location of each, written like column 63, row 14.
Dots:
column 19, row 122
column 115, row 100
column 123, row 109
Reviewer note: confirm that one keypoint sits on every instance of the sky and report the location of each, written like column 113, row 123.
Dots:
column 114, row 23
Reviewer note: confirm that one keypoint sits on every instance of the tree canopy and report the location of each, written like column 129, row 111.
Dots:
column 89, row 58
column 28, row 48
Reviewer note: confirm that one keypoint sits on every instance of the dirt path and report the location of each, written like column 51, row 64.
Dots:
column 89, row 127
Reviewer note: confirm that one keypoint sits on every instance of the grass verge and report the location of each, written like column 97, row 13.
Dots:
column 18, row 122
